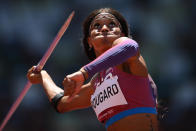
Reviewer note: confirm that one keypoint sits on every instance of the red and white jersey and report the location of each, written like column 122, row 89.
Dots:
column 116, row 91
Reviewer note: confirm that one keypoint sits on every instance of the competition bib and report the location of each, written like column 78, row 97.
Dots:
column 107, row 94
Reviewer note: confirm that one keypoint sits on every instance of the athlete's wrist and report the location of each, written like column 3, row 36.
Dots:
column 84, row 73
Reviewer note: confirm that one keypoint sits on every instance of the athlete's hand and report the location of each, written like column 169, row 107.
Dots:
column 69, row 86
column 34, row 77
column 72, row 84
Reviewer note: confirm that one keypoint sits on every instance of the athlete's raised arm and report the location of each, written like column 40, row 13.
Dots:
column 57, row 96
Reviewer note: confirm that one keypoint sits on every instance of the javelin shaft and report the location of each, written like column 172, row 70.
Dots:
column 15, row 105
column 38, row 68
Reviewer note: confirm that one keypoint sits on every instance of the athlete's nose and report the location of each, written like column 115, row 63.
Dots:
column 104, row 28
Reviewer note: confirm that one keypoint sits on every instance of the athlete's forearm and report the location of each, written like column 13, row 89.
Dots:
column 50, row 88
column 114, row 56
column 79, row 101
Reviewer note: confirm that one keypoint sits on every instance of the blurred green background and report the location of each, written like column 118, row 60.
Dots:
column 165, row 30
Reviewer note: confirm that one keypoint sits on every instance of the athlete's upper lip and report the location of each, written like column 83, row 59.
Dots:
column 105, row 33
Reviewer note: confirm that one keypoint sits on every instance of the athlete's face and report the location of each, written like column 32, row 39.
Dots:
column 104, row 29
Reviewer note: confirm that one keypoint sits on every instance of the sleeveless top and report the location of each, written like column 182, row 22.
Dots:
column 117, row 91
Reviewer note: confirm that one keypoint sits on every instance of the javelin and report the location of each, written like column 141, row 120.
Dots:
column 38, row 68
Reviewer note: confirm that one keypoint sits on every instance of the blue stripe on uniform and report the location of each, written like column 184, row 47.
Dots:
column 128, row 113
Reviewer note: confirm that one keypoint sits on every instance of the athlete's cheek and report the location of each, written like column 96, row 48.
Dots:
column 93, row 33
column 118, row 31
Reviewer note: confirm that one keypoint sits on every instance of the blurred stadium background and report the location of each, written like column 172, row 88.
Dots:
column 165, row 30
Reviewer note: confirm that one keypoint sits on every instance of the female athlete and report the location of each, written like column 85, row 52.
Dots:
column 120, row 89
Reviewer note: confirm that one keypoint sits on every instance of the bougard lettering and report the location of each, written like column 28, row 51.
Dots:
column 107, row 94
column 104, row 95
column 115, row 89
column 109, row 91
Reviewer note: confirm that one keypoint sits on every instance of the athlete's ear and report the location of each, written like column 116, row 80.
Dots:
column 90, row 42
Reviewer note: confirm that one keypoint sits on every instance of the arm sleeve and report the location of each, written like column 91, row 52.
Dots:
column 114, row 56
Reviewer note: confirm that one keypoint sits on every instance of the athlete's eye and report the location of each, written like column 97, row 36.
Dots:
column 112, row 24
column 96, row 26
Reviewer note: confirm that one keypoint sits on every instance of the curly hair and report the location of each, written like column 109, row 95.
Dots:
column 87, row 22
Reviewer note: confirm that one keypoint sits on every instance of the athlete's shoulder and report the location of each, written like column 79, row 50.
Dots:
column 121, row 39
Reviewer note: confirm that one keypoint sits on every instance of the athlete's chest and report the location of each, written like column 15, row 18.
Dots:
column 107, row 92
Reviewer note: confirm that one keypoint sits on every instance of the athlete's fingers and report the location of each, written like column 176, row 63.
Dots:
column 78, row 78
column 68, row 82
column 34, row 78
column 31, row 70
column 69, row 86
